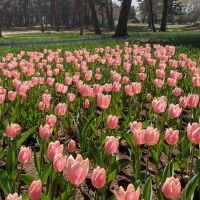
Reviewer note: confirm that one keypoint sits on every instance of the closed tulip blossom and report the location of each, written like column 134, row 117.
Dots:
column 54, row 148
column 12, row 95
column 177, row 92
column 151, row 136
column 77, row 169
column 129, row 194
column 71, row 147
column 59, row 162
column 174, row 110
column 192, row 100
column 196, row 81
column 111, row 144
column 136, row 87
column 35, row 190
column 51, row 120
column 45, row 132
column 61, row 109
column 13, row 197
column 171, row 188
column 149, row 97
column 158, row 83
column 159, row 105
column 171, row 136
column 13, row 130
column 135, row 126
column 86, row 103
column 193, row 133
column 183, row 101
column 103, row 101
column 24, row 155
column 46, row 98
column 138, row 136
column 98, row 178
column 112, row 122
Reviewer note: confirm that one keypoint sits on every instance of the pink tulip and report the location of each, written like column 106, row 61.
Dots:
column 51, row 120
column 77, row 169
column 142, row 76
column 196, row 81
column 12, row 95
column 86, row 103
column 2, row 98
column 21, row 89
column 151, row 136
column 97, row 89
column 12, row 130
column 111, row 144
column 192, row 100
column 108, row 87
column 103, row 101
column 46, row 98
column 135, row 126
column 130, row 194
column 149, row 97
column 59, row 162
column 45, row 132
column 71, row 147
column 171, row 188
column 183, row 101
column 54, row 148
column 98, row 178
column 158, row 83
column 177, row 92
column 61, row 109
column 116, row 87
column 125, row 80
column 171, row 136
column 24, row 155
column 174, row 110
column 71, row 97
column 136, row 87
column 129, row 90
column 13, row 197
column 112, row 122
column 193, row 133
column 171, row 82
column 35, row 190
column 159, row 105
column 138, row 136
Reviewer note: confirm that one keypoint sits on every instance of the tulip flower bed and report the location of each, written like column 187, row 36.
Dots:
column 121, row 123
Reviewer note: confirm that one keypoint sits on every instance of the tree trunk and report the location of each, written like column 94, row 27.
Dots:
column 151, row 16
column 40, row 17
column 26, row 13
column 81, row 15
column 86, row 14
column 108, row 14
column 111, row 16
column 57, row 15
column 164, row 16
column 94, row 18
column 123, row 19
column 1, row 23
column 52, row 13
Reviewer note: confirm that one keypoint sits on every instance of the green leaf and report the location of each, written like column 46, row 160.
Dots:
column 3, row 153
column 168, row 171
column 159, row 175
column 25, row 196
column 28, row 179
column 44, row 197
column 147, row 192
column 54, row 183
column 25, row 136
column 154, row 155
column 37, row 162
column 190, row 188
column 23, row 113
column 116, row 167
column 97, row 157
column 4, row 185
column 129, row 140
column 45, row 173
column 14, row 174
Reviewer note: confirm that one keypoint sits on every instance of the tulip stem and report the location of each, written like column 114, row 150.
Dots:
column 74, row 193
column 41, row 154
column 148, row 151
column 19, row 185
column 101, row 132
column 169, row 154
column 192, row 160
column 51, row 178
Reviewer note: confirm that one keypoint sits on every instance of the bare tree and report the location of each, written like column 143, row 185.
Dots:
column 164, row 16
